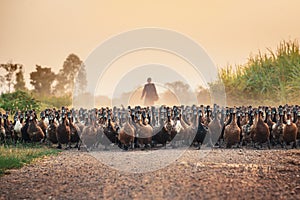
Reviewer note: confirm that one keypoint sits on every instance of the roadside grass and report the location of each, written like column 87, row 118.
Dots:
column 14, row 157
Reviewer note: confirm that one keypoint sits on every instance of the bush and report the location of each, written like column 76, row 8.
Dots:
column 19, row 100
column 53, row 101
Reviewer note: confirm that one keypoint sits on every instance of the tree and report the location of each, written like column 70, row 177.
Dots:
column 168, row 98
column 182, row 92
column 81, row 82
column 20, row 82
column 10, row 69
column 203, row 96
column 2, row 83
column 42, row 79
column 66, row 76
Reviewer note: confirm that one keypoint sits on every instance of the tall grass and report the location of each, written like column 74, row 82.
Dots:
column 270, row 78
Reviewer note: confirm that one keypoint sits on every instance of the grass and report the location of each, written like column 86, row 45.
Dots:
column 14, row 157
column 270, row 78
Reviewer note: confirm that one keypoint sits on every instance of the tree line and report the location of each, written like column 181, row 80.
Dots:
column 48, row 87
column 269, row 78
column 43, row 79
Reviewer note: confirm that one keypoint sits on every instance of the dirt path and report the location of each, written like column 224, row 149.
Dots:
column 221, row 174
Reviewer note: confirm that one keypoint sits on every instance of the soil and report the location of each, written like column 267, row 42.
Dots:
column 219, row 174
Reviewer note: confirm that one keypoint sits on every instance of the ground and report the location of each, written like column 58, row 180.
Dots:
column 219, row 174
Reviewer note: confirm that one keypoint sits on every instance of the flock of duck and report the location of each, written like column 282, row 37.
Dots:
column 148, row 127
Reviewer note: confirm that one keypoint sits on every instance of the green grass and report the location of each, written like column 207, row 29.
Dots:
column 270, row 78
column 16, row 157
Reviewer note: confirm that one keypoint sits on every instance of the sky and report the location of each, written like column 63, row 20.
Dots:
column 45, row 32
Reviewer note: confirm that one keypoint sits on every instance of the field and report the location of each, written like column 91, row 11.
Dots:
column 204, row 174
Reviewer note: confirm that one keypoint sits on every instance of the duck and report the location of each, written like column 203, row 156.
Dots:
column 290, row 131
column 232, row 131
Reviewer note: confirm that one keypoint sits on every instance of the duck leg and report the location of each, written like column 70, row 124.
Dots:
column 59, row 146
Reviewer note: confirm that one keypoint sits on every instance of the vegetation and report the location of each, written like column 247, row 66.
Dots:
column 20, row 82
column 42, row 79
column 16, row 157
column 19, row 100
column 72, row 67
column 81, row 82
column 50, row 89
column 271, row 78
column 23, row 100
column 52, row 101
column 182, row 91
column 9, row 78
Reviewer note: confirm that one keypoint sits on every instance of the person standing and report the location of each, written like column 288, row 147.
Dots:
column 150, row 93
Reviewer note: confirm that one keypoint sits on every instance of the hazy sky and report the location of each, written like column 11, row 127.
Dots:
column 45, row 32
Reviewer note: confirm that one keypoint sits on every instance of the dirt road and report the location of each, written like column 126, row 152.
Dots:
column 220, row 174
